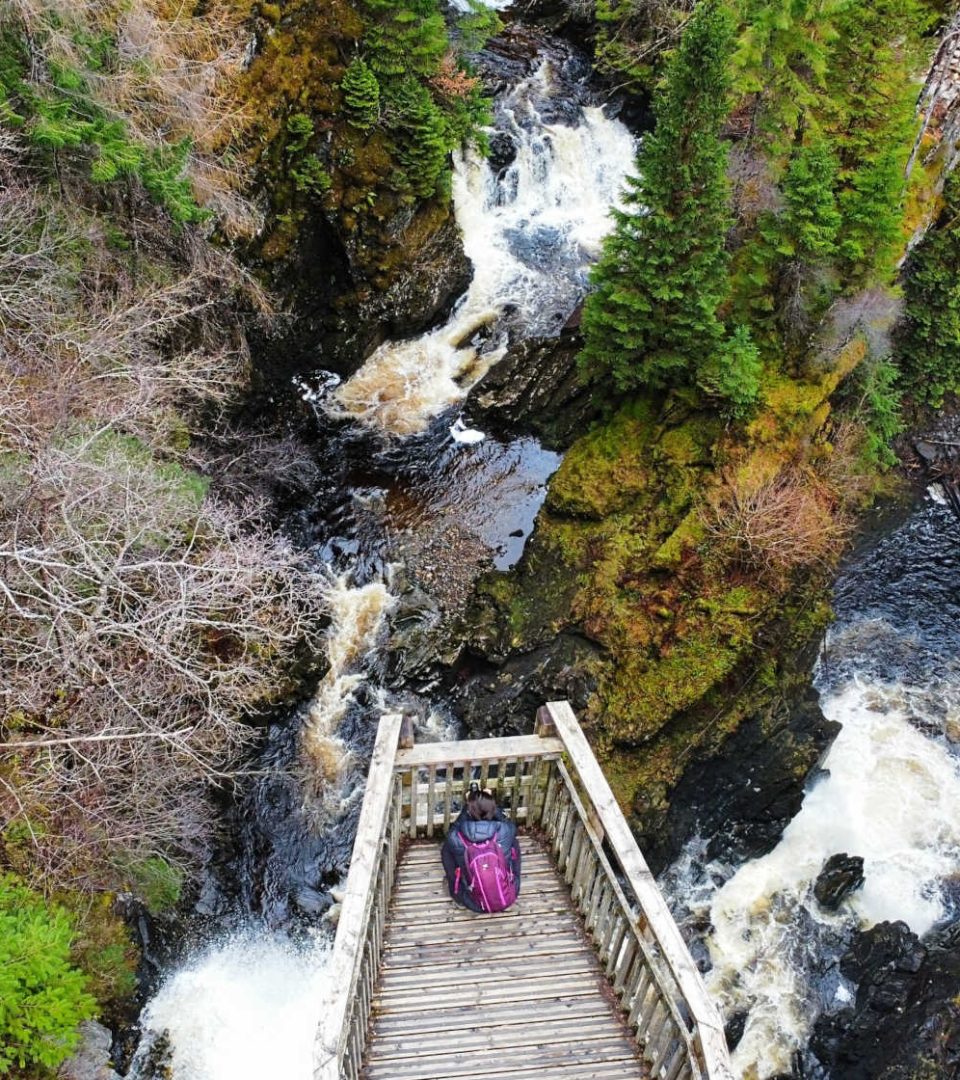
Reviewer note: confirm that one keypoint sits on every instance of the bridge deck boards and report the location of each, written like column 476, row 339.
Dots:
column 516, row 994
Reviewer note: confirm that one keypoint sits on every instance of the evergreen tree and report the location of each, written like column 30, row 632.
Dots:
column 732, row 373
column 811, row 219
column 652, row 317
column 869, row 116
column 782, row 57
column 929, row 347
column 422, row 139
column 361, row 95
column 405, row 37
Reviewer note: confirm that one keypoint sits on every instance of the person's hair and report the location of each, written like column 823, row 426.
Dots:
column 481, row 805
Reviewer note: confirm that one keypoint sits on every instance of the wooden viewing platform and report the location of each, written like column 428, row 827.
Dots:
column 586, row 976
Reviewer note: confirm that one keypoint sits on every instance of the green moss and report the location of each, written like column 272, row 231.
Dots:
column 103, row 949
column 645, row 693
column 607, row 468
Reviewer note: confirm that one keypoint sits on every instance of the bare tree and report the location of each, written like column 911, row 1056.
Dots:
column 779, row 525
column 140, row 624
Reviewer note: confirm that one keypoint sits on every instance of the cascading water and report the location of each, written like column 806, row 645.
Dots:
column 246, row 1005
column 889, row 792
column 249, row 1004
column 530, row 232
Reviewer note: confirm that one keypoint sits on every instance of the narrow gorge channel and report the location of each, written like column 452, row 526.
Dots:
column 414, row 502
column 887, row 792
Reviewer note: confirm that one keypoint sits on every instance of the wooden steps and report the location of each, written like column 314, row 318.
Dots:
column 516, row 994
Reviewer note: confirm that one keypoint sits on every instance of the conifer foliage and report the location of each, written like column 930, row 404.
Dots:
column 929, row 353
column 361, row 95
column 42, row 996
column 652, row 319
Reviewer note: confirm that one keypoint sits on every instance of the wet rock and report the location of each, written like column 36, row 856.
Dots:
column 905, row 1023
column 92, row 1061
column 502, row 700
column 734, row 1028
column 840, row 876
column 535, row 389
column 311, row 901
column 503, row 152
column 744, row 797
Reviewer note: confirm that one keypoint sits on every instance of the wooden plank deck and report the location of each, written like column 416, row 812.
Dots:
column 515, row 994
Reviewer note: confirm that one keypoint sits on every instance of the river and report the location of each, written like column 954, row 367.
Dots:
column 414, row 504
column 888, row 790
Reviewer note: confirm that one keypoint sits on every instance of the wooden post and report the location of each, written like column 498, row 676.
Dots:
column 543, row 725
column 408, row 738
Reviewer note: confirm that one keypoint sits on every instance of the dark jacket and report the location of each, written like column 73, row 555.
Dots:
column 454, row 857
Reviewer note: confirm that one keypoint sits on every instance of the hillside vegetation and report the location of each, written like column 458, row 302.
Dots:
column 746, row 335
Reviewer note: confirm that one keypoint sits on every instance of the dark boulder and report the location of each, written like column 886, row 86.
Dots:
column 497, row 700
column 840, row 876
column 743, row 797
column 905, row 1022
column 535, row 390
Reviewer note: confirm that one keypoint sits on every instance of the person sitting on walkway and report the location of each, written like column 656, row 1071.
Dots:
column 481, row 855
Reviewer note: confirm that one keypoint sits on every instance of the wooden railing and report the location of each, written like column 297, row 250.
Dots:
column 552, row 782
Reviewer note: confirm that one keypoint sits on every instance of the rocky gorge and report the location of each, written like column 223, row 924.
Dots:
column 494, row 533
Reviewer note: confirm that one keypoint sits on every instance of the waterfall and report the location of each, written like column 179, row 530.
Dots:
column 247, row 1005
column 357, row 617
column 245, row 1009
column 530, row 232
column 889, row 792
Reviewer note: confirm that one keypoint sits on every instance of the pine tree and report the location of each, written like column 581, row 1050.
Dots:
column 404, row 37
column 422, row 138
column 652, row 317
column 782, row 57
column 811, row 219
column 361, row 95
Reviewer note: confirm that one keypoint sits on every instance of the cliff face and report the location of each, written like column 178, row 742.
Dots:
column 359, row 248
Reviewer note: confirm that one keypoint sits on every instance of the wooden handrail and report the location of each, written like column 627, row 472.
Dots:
column 362, row 880
column 652, row 905
column 551, row 781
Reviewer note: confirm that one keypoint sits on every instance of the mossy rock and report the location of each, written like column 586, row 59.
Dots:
column 608, row 468
column 690, row 443
column 644, row 694
column 685, row 538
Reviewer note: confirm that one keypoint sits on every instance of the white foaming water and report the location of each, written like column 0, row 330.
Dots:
column 245, row 1009
column 357, row 617
column 530, row 235
column 497, row 5
column 892, row 796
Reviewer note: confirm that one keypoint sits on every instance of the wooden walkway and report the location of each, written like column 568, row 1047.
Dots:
column 516, row 994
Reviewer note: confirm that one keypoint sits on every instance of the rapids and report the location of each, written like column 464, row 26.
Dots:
column 530, row 231
column 888, row 790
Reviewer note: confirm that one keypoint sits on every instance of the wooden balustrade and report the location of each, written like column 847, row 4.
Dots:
column 548, row 781
column 342, row 1035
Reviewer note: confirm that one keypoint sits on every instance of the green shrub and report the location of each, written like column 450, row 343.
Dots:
column 42, row 996
column 157, row 883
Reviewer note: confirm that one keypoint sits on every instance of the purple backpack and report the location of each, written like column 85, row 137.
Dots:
column 489, row 878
